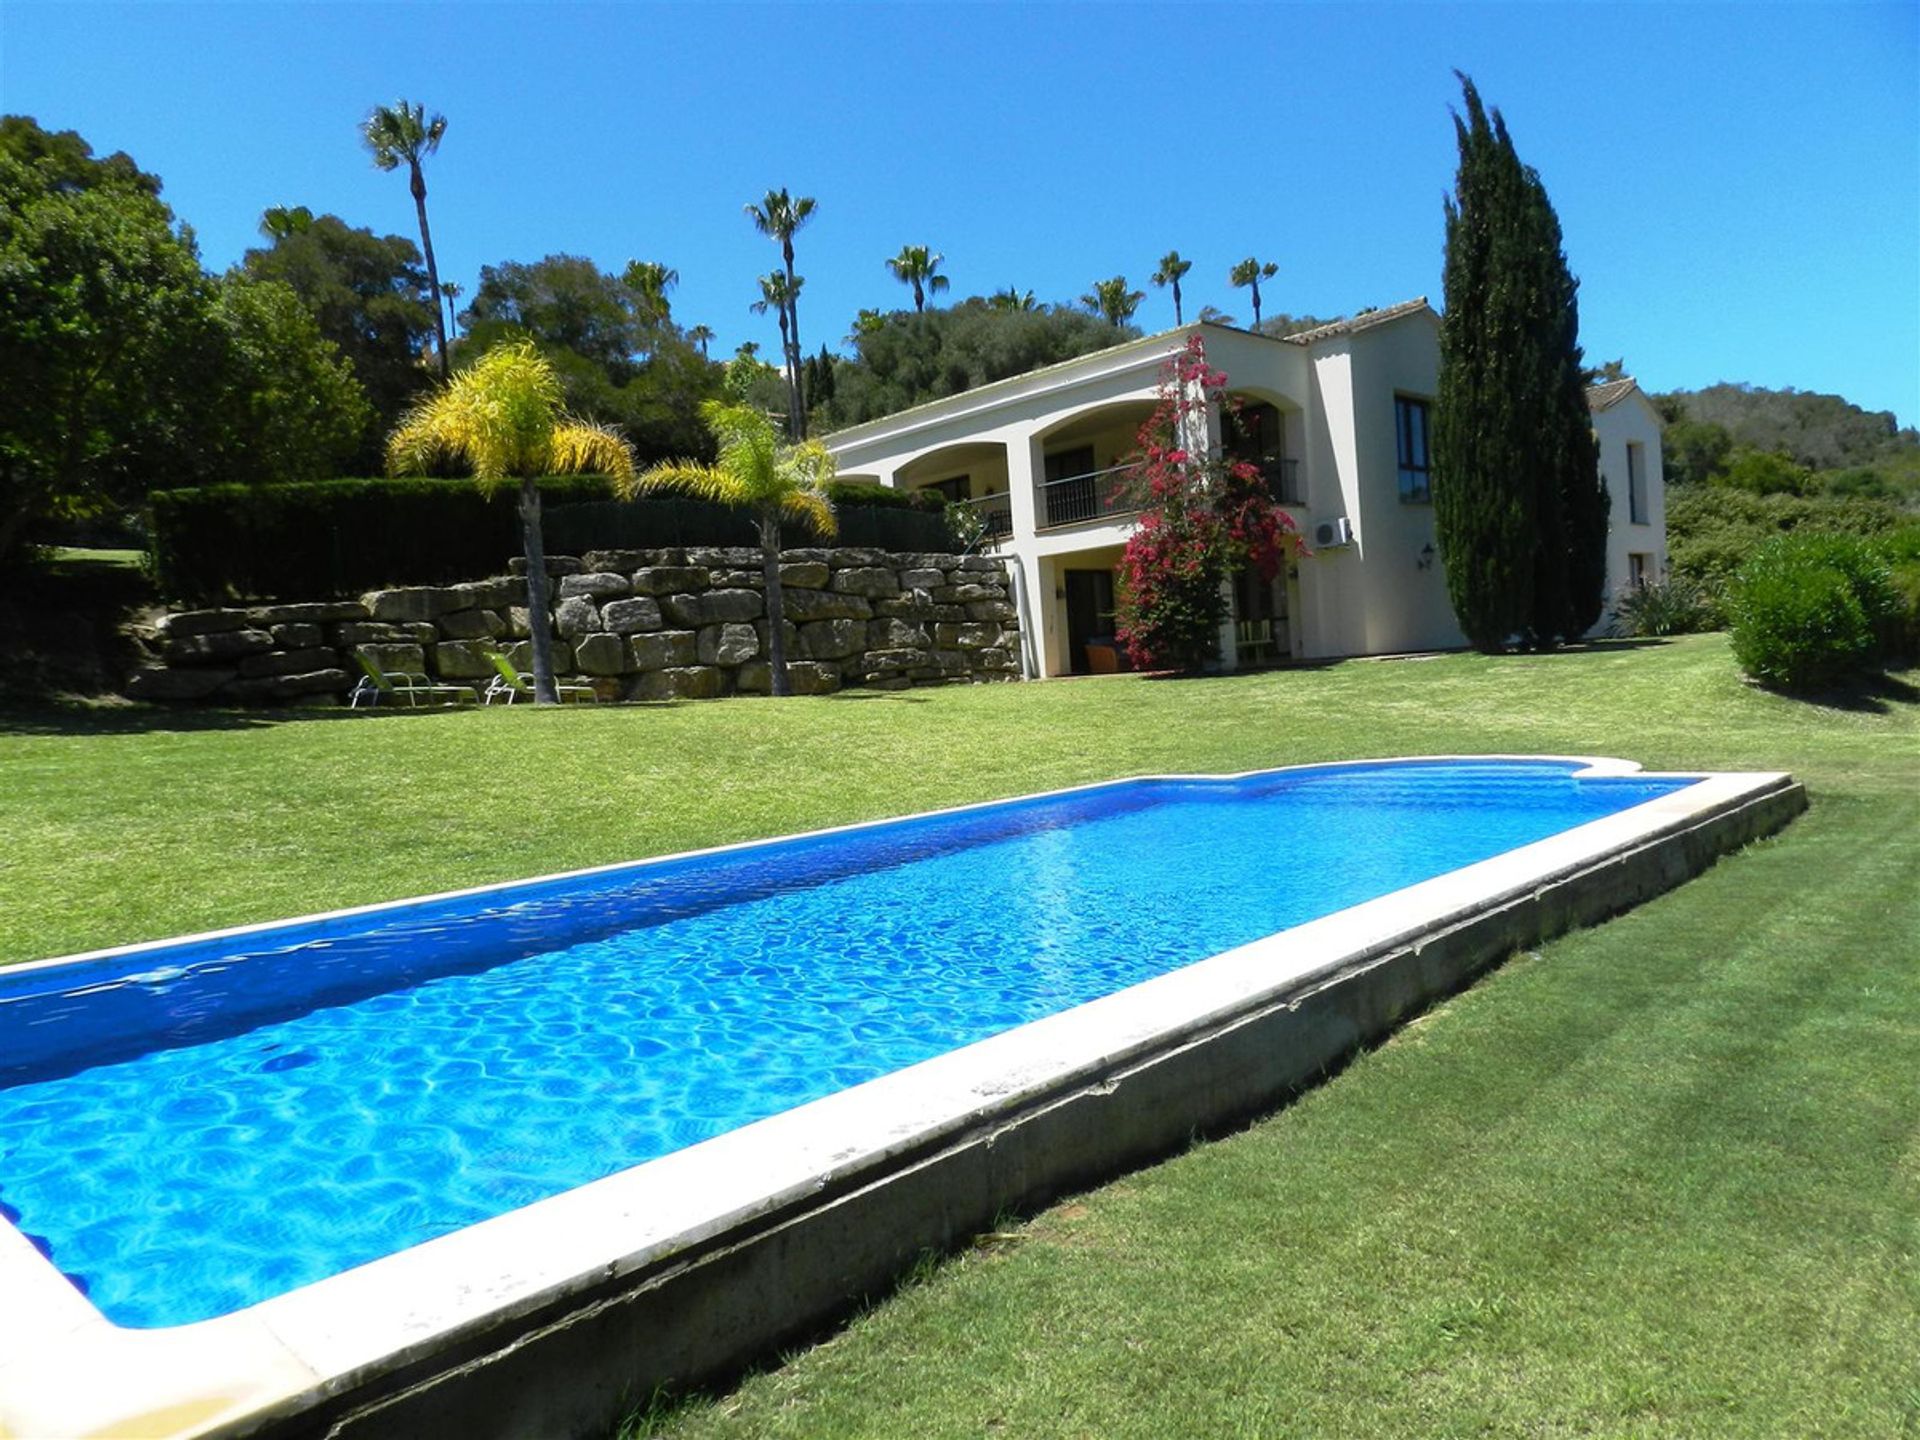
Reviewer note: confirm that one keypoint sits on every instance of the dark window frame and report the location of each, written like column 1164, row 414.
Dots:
column 1413, row 448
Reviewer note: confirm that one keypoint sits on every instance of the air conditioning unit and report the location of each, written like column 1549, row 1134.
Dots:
column 1330, row 534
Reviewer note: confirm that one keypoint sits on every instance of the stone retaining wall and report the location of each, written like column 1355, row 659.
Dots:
column 633, row 624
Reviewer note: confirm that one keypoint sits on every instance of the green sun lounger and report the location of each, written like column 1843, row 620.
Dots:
column 403, row 687
column 511, row 684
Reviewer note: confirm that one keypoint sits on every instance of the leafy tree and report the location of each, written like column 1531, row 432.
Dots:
column 917, row 266
column 1763, row 472
column 400, row 133
column 1214, row 315
column 367, row 294
column 617, row 357
column 1170, row 272
column 1010, row 299
column 502, row 418
column 1518, row 505
column 1250, row 272
column 776, row 482
column 651, row 280
column 104, row 329
column 779, row 215
column 906, row 358
column 285, row 405
column 1112, row 301
column 1692, row 450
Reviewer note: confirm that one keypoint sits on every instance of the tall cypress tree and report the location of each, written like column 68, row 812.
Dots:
column 1514, row 483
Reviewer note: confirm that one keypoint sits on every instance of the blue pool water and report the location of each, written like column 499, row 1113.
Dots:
column 202, row 1126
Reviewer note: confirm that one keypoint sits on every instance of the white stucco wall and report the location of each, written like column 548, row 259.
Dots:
column 1632, row 420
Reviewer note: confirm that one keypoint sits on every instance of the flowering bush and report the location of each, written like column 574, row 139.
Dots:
column 1201, row 518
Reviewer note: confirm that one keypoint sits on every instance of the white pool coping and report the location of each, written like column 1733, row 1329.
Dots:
column 66, row 1370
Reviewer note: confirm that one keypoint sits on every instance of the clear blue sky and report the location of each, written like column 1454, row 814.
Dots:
column 1739, row 183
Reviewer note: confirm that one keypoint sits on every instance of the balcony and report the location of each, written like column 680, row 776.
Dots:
column 1283, row 478
column 1093, row 496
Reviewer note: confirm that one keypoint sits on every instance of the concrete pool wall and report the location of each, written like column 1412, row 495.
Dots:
column 555, row 1318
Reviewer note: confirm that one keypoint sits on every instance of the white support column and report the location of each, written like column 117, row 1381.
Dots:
column 1024, row 468
column 1229, row 639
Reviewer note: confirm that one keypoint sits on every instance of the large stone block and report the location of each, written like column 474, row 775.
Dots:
column 804, row 605
column 624, row 562
column 495, row 594
column 289, row 662
column 991, row 610
column 158, row 683
column 401, row 659
column 576, row 616
column 731, row 644
column 369, row 632
column 298, row 636
column 624, row 617
column 716, row 607
column 963, row 593
column 519, row 622
column 183, row 624
column 412, row 602
column 725, row 557
column 472, row 625
column 597, row 585
column 981, row 565
column 849, row 557
column 881, row 660
column 222, row 645
column 520, row 656
column 463, row 660
column 325, row 612
column 557, row 565
column 603, row 655
column 421, row 632
column 966, row 637
column 927, row 579
column 804, row 677
column 692, row 682
column 663, row 648
column 914, row 605
column 895, row 635
column 832, row 639
column 805, row 574
column 670, row 579
column 869, row 580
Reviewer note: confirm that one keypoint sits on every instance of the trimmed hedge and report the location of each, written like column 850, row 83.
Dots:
column 1811, row 610
column 329, row 538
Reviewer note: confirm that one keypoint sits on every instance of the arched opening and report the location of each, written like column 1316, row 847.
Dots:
column 972, row 474
column 1086, row 462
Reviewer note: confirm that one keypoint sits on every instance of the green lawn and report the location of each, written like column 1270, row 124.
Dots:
column 1662, row 1178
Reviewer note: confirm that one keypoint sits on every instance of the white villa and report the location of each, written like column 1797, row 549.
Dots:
column 1337, row 415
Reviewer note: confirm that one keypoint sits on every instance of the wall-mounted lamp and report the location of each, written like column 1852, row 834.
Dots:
column 1425, row 562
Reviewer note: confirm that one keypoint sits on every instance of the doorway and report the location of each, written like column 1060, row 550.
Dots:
column 1089, row 615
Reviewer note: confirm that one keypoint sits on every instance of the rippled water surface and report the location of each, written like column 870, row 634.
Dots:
column 263, row 1114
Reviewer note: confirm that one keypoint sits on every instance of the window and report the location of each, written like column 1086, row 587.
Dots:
column 1410, row 428
column 1636, row 483
column 958, row 488
column 1638, row 571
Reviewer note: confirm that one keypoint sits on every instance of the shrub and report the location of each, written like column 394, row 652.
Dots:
column 1660, row 607
column 1906, row 587
column 1713, row 530
column 1810, row 610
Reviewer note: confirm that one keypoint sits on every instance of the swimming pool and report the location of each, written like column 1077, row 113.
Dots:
column 195, row 1127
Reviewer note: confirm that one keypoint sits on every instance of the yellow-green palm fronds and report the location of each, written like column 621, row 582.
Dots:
column 583, row 448
column 812, row 508
column 703, row 482
column 753, row 470
column 501, row 416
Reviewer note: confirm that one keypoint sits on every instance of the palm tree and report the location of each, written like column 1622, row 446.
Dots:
column 453, row 291
column 1112, row 301
column 502, row 417
column 915, row 265
column 279, row 221
column 777, row 294
column 650, row 280
column 756, row 472
column 702, row 336
column 1172, row 267
column 778, row 215
column 400, row 132
column 867, row 322
column 1251, row 272
column 1012, row 301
